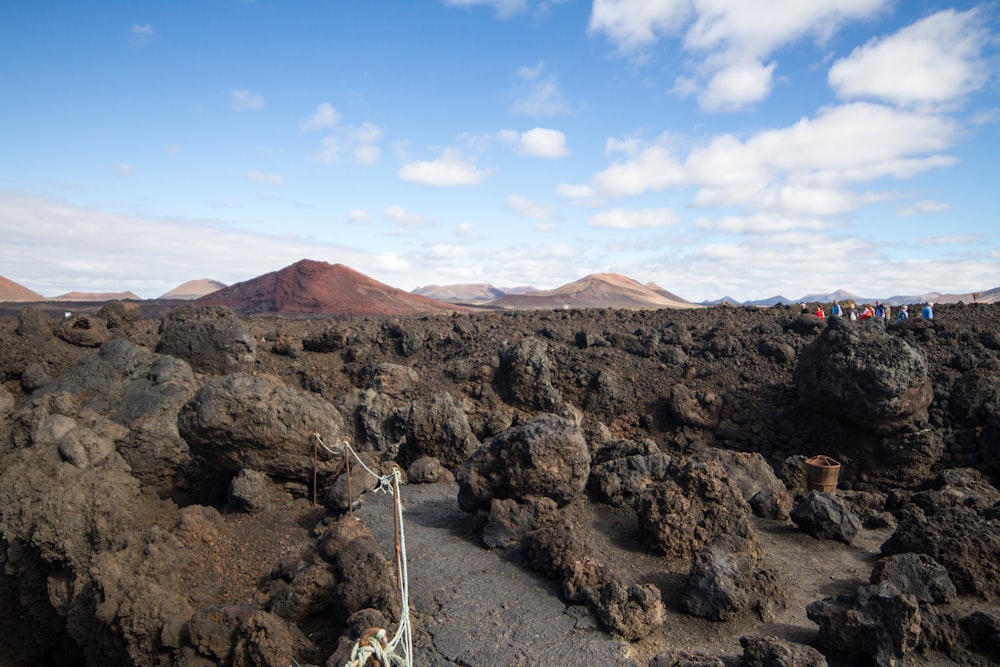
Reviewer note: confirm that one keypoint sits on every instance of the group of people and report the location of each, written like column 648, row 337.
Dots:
column 881, row 311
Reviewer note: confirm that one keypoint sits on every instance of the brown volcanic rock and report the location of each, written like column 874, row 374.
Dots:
column 598, row 290
column 11, row 291
column 309, row 286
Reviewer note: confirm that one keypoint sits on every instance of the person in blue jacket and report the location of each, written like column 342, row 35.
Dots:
column 904, row 313
column 928, row 312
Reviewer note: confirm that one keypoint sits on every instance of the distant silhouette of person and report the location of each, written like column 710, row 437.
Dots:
column 819, row 313
column 853, row 315
column 836, row 311
column 928, row 312
column 904, row 314
column 879, row 311
column 867, row 313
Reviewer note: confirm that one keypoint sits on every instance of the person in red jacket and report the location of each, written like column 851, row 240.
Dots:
column 819, row 313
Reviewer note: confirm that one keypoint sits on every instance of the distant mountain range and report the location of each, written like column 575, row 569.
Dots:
column 310, row 286
column 987, row 296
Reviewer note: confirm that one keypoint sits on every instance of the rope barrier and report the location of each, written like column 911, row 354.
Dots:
column 373, row 644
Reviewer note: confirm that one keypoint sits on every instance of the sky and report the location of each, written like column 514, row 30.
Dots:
column 718, row 148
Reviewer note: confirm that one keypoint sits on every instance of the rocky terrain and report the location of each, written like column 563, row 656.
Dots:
column 581, row 487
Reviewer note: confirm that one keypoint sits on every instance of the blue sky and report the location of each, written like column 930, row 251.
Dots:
column 714, row 147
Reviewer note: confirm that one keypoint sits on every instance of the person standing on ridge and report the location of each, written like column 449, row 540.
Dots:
column 904, row 314
column 836, row 311
column 928, row 312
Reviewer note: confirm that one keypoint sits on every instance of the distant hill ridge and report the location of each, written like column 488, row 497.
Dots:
column 12, row 292
column 194, row 289
column 597, row 290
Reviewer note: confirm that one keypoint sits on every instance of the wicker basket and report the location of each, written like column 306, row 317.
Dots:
column 822, row 473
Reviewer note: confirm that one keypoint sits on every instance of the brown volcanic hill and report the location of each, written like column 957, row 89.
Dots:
column 309, row 286
column 193, row 289
column 11, row 292
column 461, row 292
column 97, row 296
column 598, row 290
column 664, row 293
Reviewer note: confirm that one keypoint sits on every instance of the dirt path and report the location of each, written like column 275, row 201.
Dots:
column 471, row 607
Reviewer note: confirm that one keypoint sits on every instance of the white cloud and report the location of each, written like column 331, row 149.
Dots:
column 537, row 142
column 935, row 61
column 620, row 218
column 529, row 209
column 356, row 216
column 468, row 231
column 504, row 8
column 67, row 247
column 842, row 145
column 538, row 94
column 245, row 100
column 140, row 35
column 632, row 24
column 737, row 86
column 123, row 168
column 730, row 40
column 923, row 207
column 401, row 216
column 324, row 116
column 449, row 170
column 261, row 178
column 360, row 141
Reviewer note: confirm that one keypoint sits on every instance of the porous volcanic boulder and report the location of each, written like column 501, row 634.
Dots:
column 509, row 521
column 624, row 474
column 253, row 491
column 437, row 426
column 525, row 376
column 917, row 574
column 211, row 339
column 695, row 408
column 774, row 652
column 858, row 372
column 256, row 421
column 696, row 506
column 962, row 539
column 6, row 413
column 83, row 331
column 756, row 480
column 629, row 610
column 724, row 581
column 120, row 314
column 875, row 622
column 546, row 456
column 138, row 390
column 826, row 517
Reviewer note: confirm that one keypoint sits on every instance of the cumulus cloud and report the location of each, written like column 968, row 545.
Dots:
column 730, row 41
column 620, row 218
column 933, row 62
column 924, row 207
column 842, row 145
column 538, row 93
column 245, row 100
column 360, row 142
column 261, row 178
column 88, row 249
column 357, row 216
column 528, row 208
column 401, row 216
column 324, row 116
column 468, row 231
column 537, row 142
column 504, row 8
column 451, row 169
column 140, row 35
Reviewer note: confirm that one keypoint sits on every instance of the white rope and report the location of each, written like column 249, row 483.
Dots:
column 376, row 646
